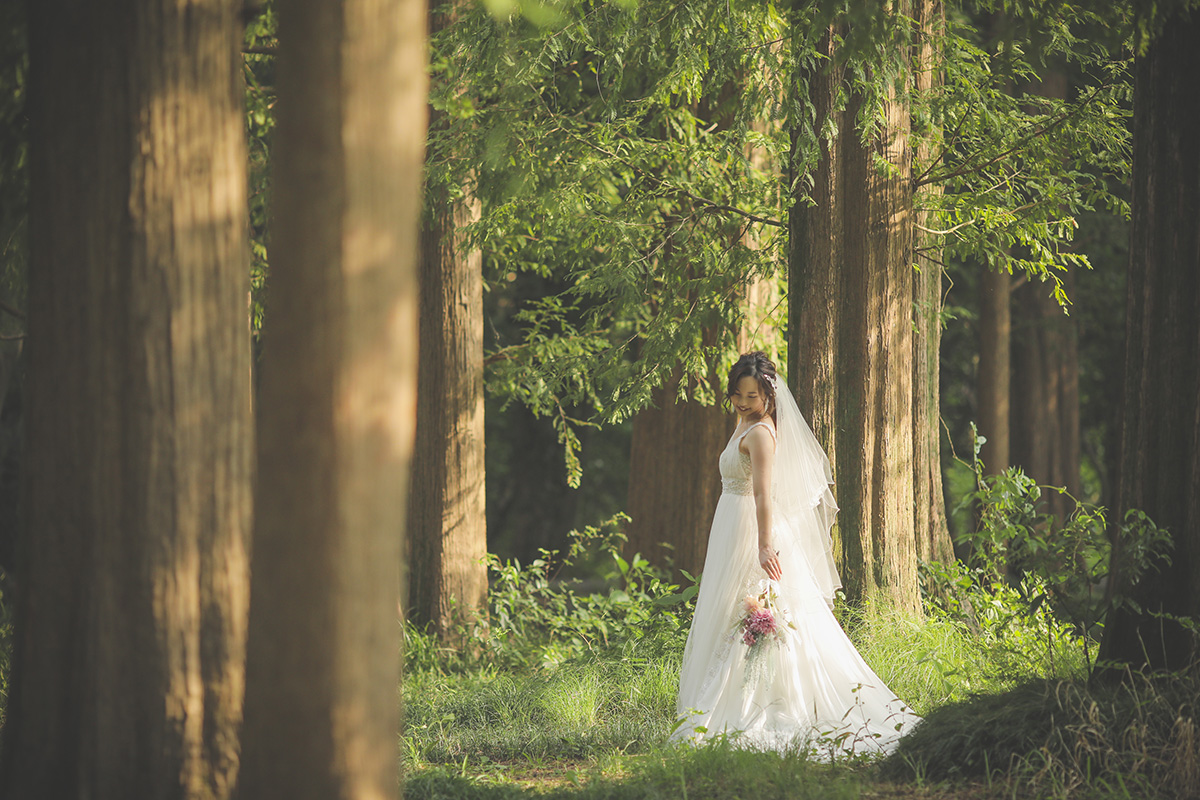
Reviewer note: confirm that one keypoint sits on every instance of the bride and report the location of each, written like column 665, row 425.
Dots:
column 766, row 662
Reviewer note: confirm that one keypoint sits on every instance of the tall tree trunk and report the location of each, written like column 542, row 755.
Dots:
column 671, row 509
column 874, row 414
column 133, row 583
column 1160, row 432
column 447, row 516
column 1045, row 384
column 339, row 375
column 867, row 381
column 815, row 255
column 994, row 378
column 815, row 259
column 929, row 506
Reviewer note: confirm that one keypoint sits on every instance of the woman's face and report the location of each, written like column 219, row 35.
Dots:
column 747, row 398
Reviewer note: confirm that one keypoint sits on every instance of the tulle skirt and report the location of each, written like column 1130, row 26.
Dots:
column 809, row 687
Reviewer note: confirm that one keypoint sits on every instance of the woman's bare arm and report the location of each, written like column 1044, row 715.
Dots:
column 760, row 444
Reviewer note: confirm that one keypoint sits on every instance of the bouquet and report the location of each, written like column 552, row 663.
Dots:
column 762, row 622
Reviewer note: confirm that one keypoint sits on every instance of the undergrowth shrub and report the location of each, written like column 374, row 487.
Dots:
column 1137, row 737
column 539, row 618
column 1030, row 577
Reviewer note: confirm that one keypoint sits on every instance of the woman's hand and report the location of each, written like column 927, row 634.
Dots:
column 768, row 558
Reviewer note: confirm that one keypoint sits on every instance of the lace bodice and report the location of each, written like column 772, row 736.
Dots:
column 735, row 465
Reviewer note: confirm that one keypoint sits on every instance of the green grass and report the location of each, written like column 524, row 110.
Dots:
column 714, row 772
column 933, row 660
column 1007, row 706
column 616, row 701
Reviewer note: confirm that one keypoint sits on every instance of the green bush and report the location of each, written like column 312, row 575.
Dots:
column 537, row 619
column 1024, row 562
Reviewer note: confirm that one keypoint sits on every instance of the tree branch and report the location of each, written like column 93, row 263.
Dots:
column 1044, row 129
column 15, row 312
column 704, row 202
column 946, row 232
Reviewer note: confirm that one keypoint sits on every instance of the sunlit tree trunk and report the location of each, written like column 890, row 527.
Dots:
column 929, row 507
column 874, row 407
column 1160, row 432
column 864, row 332
column 131, row 622
column 338, row 378
column 447, row 517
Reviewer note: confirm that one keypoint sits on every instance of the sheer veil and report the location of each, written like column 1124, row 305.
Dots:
column 803, row 492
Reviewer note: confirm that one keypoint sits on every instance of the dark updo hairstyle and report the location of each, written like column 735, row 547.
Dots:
column 755, row 365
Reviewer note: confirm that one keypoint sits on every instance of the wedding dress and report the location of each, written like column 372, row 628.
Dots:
column 805, row 686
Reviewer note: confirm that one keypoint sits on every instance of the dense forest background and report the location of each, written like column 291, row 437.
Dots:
column 326, row 327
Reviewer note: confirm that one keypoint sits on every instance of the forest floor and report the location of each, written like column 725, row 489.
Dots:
column 587, row 780
column 572, row 697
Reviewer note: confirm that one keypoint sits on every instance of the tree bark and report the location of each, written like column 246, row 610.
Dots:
column 929, row 506
column 338, row 378
column 864, row 328
column 131, row 614
column 1160, row 432
column 447, row 516
column 815, row 258
column 874, row 416
column 671, row 508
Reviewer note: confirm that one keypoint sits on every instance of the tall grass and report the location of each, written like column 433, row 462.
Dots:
column 933, row 659
column 1064, row 738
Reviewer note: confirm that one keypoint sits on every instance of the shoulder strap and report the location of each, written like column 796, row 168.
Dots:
column 755, row 425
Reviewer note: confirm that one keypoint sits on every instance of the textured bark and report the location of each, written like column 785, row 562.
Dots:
column 133, row 583
column 671, row 509
column 1160, row 433
column 1045, row 378
column 674, row 482
column 815, row 262
column 995, row 369
column 1045, row 394
column 875, row 422
column 339, row 378
column 859, row 371
column 447, row 516
column 929, row 506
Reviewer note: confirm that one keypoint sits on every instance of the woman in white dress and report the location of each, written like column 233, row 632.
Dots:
column 766, row 662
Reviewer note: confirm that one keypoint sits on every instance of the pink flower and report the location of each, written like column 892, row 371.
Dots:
column 752, row 604
column 761, row 623
column 748, row 639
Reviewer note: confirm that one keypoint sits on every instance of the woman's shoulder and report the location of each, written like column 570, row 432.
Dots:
column 762, row 425
column 763, row 432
